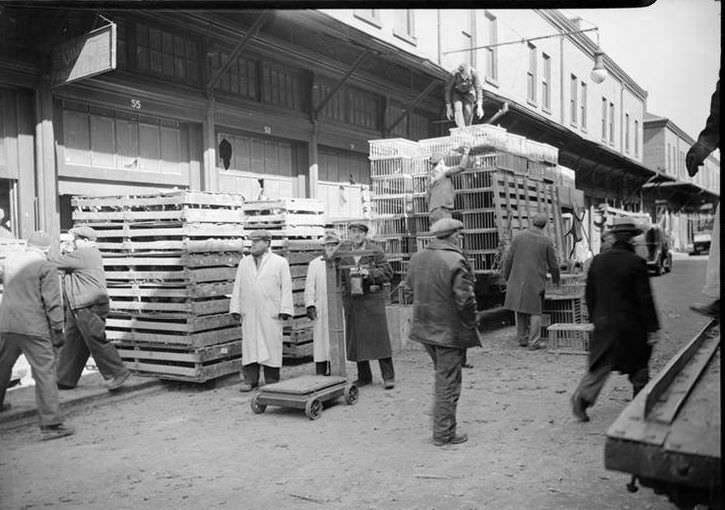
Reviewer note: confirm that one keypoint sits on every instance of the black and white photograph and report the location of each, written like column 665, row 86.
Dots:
column 360, row 255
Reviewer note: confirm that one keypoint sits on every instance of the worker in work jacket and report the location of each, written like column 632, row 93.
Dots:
column 441, row 193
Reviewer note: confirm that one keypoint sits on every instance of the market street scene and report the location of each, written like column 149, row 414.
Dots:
column 360, row 258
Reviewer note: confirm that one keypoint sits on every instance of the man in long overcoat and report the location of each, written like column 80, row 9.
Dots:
column 262, row 301
column 316, row 303
column 525, row 265
column 621, row 307
column 366, row 324
column 444, row 320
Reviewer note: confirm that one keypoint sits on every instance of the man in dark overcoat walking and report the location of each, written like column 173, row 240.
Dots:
column 622, row 309
column 366, row 324
column 444, row 320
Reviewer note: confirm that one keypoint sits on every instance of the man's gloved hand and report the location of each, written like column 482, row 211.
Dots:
column 284, row 316
column 695, row 157
column 312, row 313
column 479, row 111
column 58, row 338
column 237, row 317
column 449, row 112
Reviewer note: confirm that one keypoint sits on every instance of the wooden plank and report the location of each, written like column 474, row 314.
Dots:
column 164, row 278
column 187, row 215
column 201, row 373
column 197, row 290
column 188, row 260
column 191, row 324
column 189, row 246
column 206, row 307
column 178, row 197
column 201, row 355
column 193, row 340
column 174, row 230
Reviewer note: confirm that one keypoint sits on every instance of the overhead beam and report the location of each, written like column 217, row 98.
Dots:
column 252, row 32
column 342, row 81
column 410, row 106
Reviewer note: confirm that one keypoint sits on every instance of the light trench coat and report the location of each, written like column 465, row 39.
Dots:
column 260, row 294
column 316, row 295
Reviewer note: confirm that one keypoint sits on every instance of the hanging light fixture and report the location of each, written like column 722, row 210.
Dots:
column 599, row 73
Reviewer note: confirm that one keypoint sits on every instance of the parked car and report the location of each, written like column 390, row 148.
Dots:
column 654, row 246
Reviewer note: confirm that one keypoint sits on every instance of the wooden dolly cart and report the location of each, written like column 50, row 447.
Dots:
column 308, row 392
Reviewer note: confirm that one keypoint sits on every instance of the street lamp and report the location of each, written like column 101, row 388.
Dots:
column 599, row 73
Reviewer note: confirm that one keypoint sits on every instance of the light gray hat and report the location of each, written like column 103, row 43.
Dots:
column 445, row 227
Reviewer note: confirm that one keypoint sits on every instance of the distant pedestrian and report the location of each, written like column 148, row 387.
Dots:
column 87, row 306
column 441, row 193
column 262, row 301
column 707, row 142
column 525, row 264
column 316, row 302
column 463, row 89
column 621, row 307
column 444, row 320
column 366, row 323
column 31, row 323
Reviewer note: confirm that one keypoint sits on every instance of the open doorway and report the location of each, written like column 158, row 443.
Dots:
column 8, row 210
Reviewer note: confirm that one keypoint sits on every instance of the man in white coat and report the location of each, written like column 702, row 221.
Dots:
column 316, row 303
column 262, row 301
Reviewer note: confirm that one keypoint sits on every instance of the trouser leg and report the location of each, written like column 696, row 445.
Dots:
column 522, row 328
column 458, row 113
column 386, row 369
column 91, row 322
column 41, row 356
column 593, row 382
column 364, row 374
column 271, row 374
column 639, row 380
column 251, row 374
column 467, row 113
column 534, row 328
column 9, row 354
column 73, row 355
column 447, row 363
column 322, row 367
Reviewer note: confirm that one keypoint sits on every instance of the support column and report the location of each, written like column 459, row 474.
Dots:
column 209, row 173
column 46, row 182
column 314, row 169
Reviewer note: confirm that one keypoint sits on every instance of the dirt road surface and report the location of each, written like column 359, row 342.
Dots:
column 201, row 449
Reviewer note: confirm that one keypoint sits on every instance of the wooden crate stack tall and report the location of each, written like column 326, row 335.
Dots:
column 170, row 261
column 296, row 225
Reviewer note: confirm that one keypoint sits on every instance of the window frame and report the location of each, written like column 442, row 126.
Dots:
column 573, row 99
column 546, row 82
column 532, row 75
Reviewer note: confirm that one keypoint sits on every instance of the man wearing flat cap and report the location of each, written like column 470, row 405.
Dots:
column 441, row 193
column 444, row 320
column 86, row 301
column 366, row 324
column 316, row 302
column 262, row 301
column 31, row 323
column 525, row 264
column 622, row 309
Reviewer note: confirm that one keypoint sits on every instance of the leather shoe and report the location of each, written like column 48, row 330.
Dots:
column 116, row 382
column 389, row 385
column 456, row 439
column 65, row 386
column 246, row 387
column 579, row 408
column 535, row 346
column 49, row 432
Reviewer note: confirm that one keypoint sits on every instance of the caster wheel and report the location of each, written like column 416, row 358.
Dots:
column 313, row 409
column 351, row 394
column 257, row 408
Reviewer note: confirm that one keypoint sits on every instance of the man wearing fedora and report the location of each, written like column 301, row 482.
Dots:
column 262, row 301
column 31, row 323
column 316, row 302
column 366, row 324
column 622, row 309
column 86, row 302
column 441, row 193
column 528, row 258
column 444, row 320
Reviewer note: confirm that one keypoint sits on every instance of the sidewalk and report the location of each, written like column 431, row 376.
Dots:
column 90, row 389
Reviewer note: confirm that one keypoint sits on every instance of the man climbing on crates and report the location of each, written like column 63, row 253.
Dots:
column 316, row 302
column 621, row 307
column 525, row 265
column 462, row 90
column 262, row 301
column 441, row 193
column 366, row 323
column 86, row 301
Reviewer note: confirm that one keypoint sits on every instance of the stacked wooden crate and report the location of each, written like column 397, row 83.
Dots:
column 565, row 318
column 170, row 261
column 296, row 226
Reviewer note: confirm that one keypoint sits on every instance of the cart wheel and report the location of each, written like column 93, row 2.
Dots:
column 257, row 408
column 351, row 394
column 313, row 409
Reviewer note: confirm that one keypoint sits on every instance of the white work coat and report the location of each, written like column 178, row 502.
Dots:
column 260, row 294
column 316, row 295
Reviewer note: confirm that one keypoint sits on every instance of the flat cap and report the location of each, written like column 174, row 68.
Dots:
column 85, row 232
column 331, row 237
column 39, row 239
column 436, row 158
column 445, row 227
column 256, row 235
column 360, row 225
column 624, row 224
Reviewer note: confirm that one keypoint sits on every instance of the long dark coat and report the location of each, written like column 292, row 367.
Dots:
column 621, row 307
column 366, row 324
